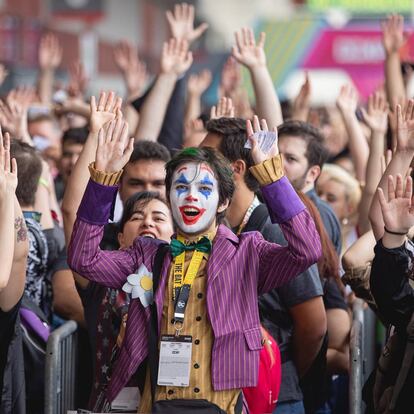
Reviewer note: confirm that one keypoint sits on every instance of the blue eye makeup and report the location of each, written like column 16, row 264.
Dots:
column 206, row 186
column 181, row 189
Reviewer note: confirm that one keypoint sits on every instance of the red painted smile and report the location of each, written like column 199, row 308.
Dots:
column 191, row 214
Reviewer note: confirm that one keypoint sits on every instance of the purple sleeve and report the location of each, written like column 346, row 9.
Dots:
column 282, row 201
column 97, row 202
column 280, row 264
column 109, row 268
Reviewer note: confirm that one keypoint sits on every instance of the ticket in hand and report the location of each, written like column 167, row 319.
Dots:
column 265, row 140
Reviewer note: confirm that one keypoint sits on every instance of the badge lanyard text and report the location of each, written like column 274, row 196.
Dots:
column 182, row 285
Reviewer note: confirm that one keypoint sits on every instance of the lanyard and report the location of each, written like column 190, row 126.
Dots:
column 182, row 285
column 248, row 214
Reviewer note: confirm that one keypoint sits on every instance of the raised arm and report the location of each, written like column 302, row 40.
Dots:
column 392, row 40
column 78, row 81
column 347, row 102
column 301, row 104
column 197, row 84
column 376, row 118
column 253, row 57
column 13, row 232
column 181, row 23
column 13, row 113
column 399, row 164
column 107, row 108
column 109, row 268
column 50, row 57
column 391, row 266
column 280, row 264
column 175, row 61
column 134, row 71
column 360, row 252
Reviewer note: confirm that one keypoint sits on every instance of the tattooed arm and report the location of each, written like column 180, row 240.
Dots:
column 13, row 234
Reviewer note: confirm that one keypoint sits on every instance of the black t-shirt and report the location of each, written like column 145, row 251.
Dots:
column 7, row 328
column 332, row 296
column 274, row 305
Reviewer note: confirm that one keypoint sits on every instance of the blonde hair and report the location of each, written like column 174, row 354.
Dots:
column 352, row 187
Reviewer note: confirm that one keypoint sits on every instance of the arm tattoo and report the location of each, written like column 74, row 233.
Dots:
column 20, row 226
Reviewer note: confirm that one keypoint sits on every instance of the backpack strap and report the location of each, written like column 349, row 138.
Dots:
column 406, row 364
column 153, row 328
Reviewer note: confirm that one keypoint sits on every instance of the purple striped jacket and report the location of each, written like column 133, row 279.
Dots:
column 238, row 270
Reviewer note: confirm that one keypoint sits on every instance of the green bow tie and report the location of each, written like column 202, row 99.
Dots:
column 177, row 247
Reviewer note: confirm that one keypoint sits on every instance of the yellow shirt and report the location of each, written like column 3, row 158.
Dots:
column 197, row 325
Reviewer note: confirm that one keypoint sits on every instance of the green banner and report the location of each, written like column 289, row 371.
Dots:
column 364, row 6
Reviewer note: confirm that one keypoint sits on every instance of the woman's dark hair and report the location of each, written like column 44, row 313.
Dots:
column 219, row 164
column 143, row 198
column 328, row 264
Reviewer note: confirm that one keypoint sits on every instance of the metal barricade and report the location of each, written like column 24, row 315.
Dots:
column 356, row 375
column 61, row 362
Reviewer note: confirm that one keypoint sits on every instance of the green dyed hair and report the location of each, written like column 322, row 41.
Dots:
column 220, row 166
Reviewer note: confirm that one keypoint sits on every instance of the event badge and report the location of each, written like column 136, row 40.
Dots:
column 127, row 399
column 175, row 360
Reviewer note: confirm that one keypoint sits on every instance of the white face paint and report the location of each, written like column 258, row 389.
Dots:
column 194, row 197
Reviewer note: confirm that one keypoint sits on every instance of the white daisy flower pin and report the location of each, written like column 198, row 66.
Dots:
column 139, row 285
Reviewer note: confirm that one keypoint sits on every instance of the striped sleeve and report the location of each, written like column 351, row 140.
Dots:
column 109, row 268
column 277, row 264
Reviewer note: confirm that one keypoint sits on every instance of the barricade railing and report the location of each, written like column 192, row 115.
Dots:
column 356, row 373
column 60, row 376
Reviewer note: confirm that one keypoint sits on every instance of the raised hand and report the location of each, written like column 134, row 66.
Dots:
column 246, row 51
column 230, row 77
column 393, row 33
column 133, row 70
column 8, row 168
column 224, row 109
column 257, row 154
column 114, row 146
column 194, row 133
column 347, row 100
column 181, row 23
column 50, row 52
column 301, row 103
column 397, row 211
column 78, row 80
column 198, row 83
column 13, row 117
column 175, row 57
column 405, row 127
column 376, row 116
column 24, row 95
column 109, row 107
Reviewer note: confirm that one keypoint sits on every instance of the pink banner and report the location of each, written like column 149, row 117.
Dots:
column 358, row 52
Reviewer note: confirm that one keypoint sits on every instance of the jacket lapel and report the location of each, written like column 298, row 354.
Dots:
column 224, row 248
column 160, row 293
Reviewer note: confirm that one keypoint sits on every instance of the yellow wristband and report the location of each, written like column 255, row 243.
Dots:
column 268, row 171
column 104, row 178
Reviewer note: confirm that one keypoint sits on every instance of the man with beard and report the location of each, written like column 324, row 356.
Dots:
column 304, row 153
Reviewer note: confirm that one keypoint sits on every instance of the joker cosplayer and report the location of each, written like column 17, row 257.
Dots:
column 206, row 301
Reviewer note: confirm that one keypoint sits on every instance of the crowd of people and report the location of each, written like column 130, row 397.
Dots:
column 209, row 256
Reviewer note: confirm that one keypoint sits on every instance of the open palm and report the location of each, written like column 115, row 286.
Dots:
column 246, row 51
column 393, row 33
column 405, row 127
column 397, row 212
column 8, row 167
column 108, row 107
